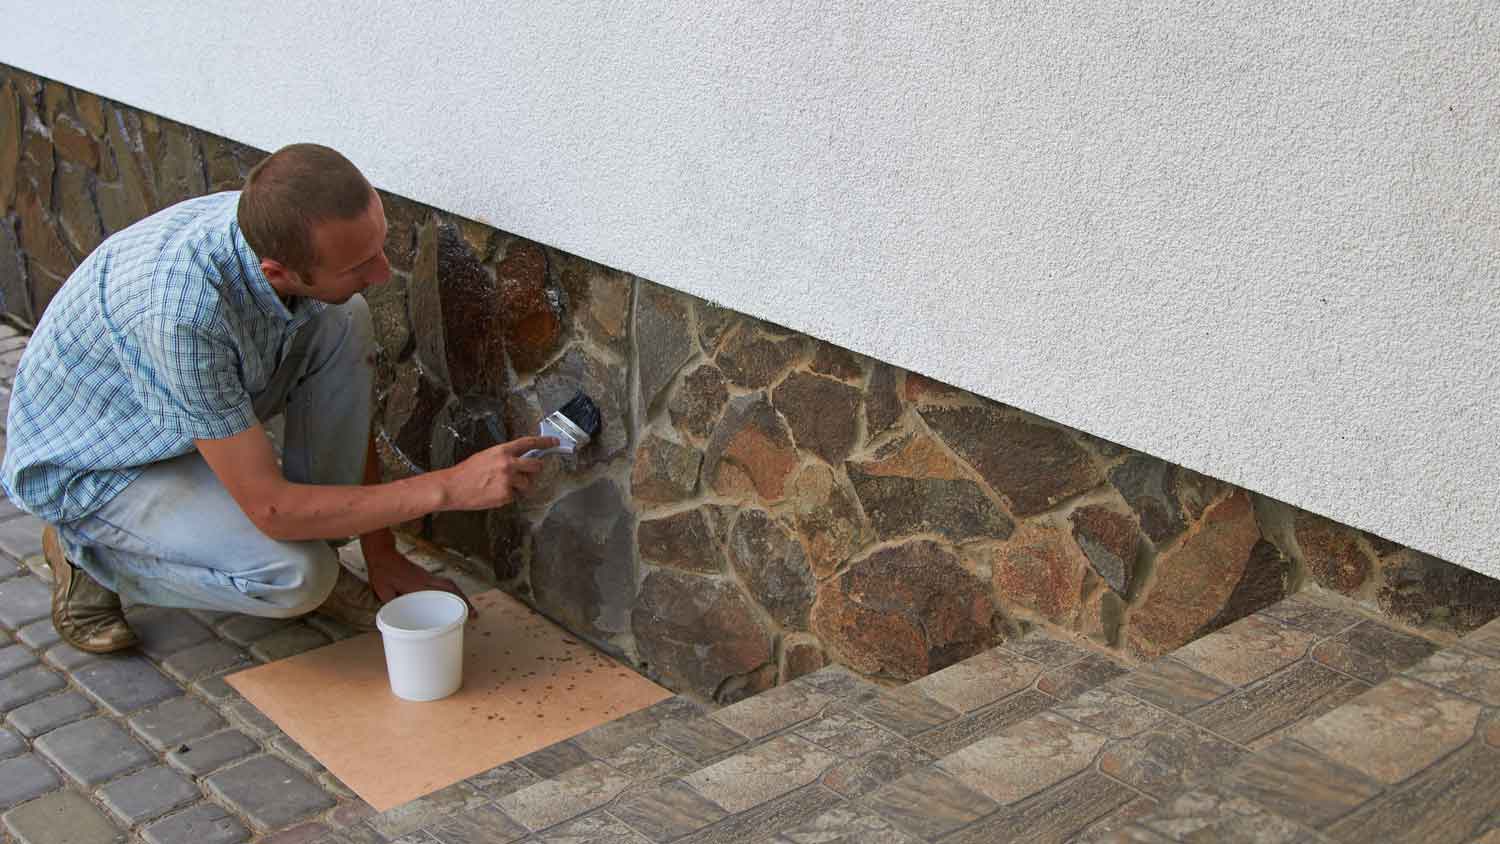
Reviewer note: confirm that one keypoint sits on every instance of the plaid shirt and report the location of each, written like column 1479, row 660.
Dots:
column 160, row 337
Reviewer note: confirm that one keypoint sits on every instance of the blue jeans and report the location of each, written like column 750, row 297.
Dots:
column 175, row 537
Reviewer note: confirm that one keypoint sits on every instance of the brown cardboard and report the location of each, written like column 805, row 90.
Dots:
column 527, row 684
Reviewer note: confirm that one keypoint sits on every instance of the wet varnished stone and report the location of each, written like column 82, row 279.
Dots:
column 581, row 369
column 695, row 632
column 1292, row 780
column 530, row 311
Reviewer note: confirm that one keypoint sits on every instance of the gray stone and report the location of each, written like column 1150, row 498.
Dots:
column 246, row 629
column 605, row 384
column 288, row 641
column 773, row 564
column 823, row 413
column 69, row 658
column 555, row 759
column 23, row 599
column 204, row 824
column 207, row 658
column 663, row 338
column 164, row 632
column 268, row 791
column 27, row 685
column 39, row 635
column 125, row 684
column 210, row 754
column 697, row 632
column 20, row 538
column 667, row 811
column 49, row 713
column 11, row 744
column 14, row 658
column 930, row 803
column 482, row 825
column 176, row 721
column 1109, row 540
column 595, row 828
column 294, row 753
column 64, row 817
column 575, row 793
column 1033, row 466
column 24, row 778
column 583, row 573
column 148, row 794
column 93, row 751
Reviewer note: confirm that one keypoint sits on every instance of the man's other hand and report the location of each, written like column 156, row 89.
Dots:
column 393, row 575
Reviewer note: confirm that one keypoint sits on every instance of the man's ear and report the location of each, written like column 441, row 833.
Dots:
column 280, row 277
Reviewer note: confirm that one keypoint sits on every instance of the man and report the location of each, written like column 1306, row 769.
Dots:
column 135, row 423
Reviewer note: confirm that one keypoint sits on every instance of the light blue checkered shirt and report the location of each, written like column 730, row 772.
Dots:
column 160, row 337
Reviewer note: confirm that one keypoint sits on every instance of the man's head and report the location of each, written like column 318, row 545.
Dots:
column 317, row 225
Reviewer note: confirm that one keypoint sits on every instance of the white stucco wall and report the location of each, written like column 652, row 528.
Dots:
column 1258, row 239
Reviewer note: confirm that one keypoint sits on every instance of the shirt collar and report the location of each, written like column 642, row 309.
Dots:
column 261, row 292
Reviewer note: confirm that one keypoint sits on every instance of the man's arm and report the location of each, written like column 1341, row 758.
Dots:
column 246, row 464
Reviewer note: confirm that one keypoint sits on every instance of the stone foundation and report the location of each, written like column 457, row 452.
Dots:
column 759, row 503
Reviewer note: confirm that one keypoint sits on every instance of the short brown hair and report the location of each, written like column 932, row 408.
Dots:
column 289, row 191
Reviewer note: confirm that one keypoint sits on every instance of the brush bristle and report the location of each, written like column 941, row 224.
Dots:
column 582, row 411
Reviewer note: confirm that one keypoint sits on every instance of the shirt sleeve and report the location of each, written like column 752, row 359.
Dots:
column 190, row 382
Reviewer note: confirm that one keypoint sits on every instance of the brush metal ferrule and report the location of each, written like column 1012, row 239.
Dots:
column 569, row 437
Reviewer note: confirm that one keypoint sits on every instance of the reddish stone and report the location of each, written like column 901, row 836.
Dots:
column 527, row 306
column 178, row 170
column 127, row 143
column 750, row 452
column 800, row 655
column 39, row 240
column 751, row 359
column 1195, row 580
column 1331, row 553
column 822, row 413
column 76, row 215
column 883, row 407
column 837, row 362
column 1267, row 579
column 695, row 633
column 697, row 401
column 598, row 299
column 74, row 144
column 38, row 164
column 1040, row 569
column 10, row 144
column 827, row 517
column 664, row 471
column 921, row 390
column 1033, row 466
column 1110, row 541
column 773, row 566
column 905, row 611
column 683, row 541
column 913, row 486
column 90, row 111
column 663, row 339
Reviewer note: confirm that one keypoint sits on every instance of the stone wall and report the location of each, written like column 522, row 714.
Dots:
column 758, row 503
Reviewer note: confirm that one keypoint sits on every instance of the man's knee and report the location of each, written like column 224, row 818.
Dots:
column 311, row 569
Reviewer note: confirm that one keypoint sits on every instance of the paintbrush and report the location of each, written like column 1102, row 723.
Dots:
column 574, row 424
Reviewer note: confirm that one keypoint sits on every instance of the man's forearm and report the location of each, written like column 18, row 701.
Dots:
column 312, row 511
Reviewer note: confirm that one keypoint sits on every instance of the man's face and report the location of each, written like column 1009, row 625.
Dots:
column 351, row 255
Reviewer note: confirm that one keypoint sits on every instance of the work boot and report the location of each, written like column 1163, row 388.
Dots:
column 352, row 602
column 86, row 615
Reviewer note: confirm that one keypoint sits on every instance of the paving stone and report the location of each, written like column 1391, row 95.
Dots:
column 24, row 778
column 1209, row 816
column 294, row 753
column 177, row 721
column 841, row 730
column 1173, row 686
column 244, row 716
column 846, row 825
column 209, row 754
column 482, row 825
column 148, row 794
column 768, row 819
column 164, row 632
column 616, row 735
column 207, row 658
column 1461, row 672
column 1056, row 814
column 246, row 629
column 1293, row 780
column 1108, row 828
column 762, row 773
column 268, row 791
column 15, row 657
column 21, row 537
column 49, row 713
column 39, row 635
column 23, row 600
column 27, row 685
column 576, row 792
column 1305, row 614
column 857, row 777
column 772, row 711
column 68, row 658
column 1112, row 712
column 215, row 689
column 667, row 811
column 986, row 722
column 63, row 817
column 1168, row 758
column 929, row 803
column 303, row 833
column 288, row 641
column 1393, row 731
column 835, row 681
column 203, row 824
column 9, row 568
column 1246, row 650
column 425, row 811
column 93, row 750
column 699, row 739
column 904, row 710
column 125, row 684
column 1024, row 759
column 1077, row 677
column 1372, row 652
column 503, row 780
column 1453, row 801
column 11, row 744
column 1046, row 650
column 648, row 760
column 1277, row 701
column 597, row 828
column 979, row 680
column 555, row 760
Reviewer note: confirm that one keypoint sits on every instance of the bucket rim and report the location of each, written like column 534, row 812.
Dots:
column 388, row 629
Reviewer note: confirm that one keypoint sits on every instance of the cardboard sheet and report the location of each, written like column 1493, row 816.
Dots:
column 527, row 684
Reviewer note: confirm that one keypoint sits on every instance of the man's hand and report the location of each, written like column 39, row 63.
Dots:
column 393, row 575
column 494, row 477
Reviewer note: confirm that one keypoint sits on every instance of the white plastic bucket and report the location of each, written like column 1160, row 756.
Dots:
column 423, row 634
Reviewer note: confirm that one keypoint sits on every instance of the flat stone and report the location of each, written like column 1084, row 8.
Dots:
column 1032, row 466
column 647, row 760
column 883, row 407
column 1025, row 758
column 24, row 778
column 288, row 641
column 1277, row 701
column 583, row 571
column 1173, row 686
column 1298, row 783
column 1041, row 568
column 750, row 451
column 1203, row 815
column 293, row 752
column 1046, row 649
column 164, row 632
column 39, row 635
column 695, row 404
column 1484, row 641
column 696, row 632
column 1305, row 614
column 148, row 794
column 575, row 793
column 1461, row 672
column 1393, row 731
column 529, row 311
column 27, row 685
column 49, row 713
column 481, row 825
column 125, row 684
column 667, row 811
column 20, row 538
column 204, row 824
column 244, row 715
column 1078, row 677
column 772, row 711
column 839, row 729
column 1111, row 712
column 753, row 359
column 502, row 780
column 205, row 755
column 1110, row 540
column 1056, row 814
column 827, row 518
column 854, row 778
column 767, row 819
column 664, row 471
column 268, row 791
column 14, row 658
column 772, row 564
column 1454, row 800
column 1246, row 651
column 177, row 721
column 682, row 541
column 762, row 773
column 663, row 338
column 596, row 828
column 598, row 299
column 979, row 680
column 1168, row 758
column 1372, row 651
column 823, row 413
column 1332, row 552
column 929, row 802
column 699, row 739
column 69, row 658
column 905, row 611
column 63, row 817
column 201, row 660
column 904, row 710
column 422, row 812
column 93, row 751
column 848, row 824
column 638, row 726
column 959, row 733
column 23, row 599
column 246, row 629
column 913, row 486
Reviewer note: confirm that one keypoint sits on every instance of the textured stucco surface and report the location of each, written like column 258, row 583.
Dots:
column 1262, row 241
